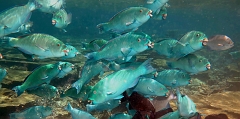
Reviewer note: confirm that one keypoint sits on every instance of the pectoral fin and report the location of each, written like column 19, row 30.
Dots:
column 126, row 51
column 96, row 47
column 149, row 88
column 130, row 23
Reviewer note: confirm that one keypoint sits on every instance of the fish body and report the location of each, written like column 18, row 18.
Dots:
column 158, row 8
column 220, row 42
column 39, row 46
column 35, row 112
column 173, row 78
column 115, row 67
column 50, row 6
column 120, row 116
column 150, row 87
column 73, row 52
column 124, row 46
column 191, row 63
column 106, row 89
column 61, row 19
column 94, row 45
column 126, row 21
column 45, row 91
column 186, row 106
column 82, row 95
column 109, row 105
column 171, row 115
column 42, row 74
column 89, row 70
column 161, row 14
column 165, row 47
column 66, row 67
column 12, row 19
column 77, row 113
column 25, row 28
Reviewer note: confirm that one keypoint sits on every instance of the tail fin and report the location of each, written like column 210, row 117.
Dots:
column 102, row 28
column 146, row 67
column 77, row 85
column 68, row 107
column 9, row 41
column 91, row 56
column 90, row 107
column 33, row 4
column 18, row 90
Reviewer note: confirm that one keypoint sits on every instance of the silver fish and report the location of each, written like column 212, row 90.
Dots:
column 61, row 19
column 220, row 42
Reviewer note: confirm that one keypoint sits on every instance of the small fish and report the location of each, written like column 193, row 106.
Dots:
column 186, row 106
column 61, row 19
column 162, row 102
column 109, row 105
column 124, row 46
column 12, row 19
column 50, row 6
column 42, row 74
column 126, row 21
column 89, row 70
column 25, row 28
column 38, row 46
column 120, row 116
column 155, row 5
column 191, row 63
column 82, row 95
column 66, row 67
column 150, row 87
column 161, row 14
column 94, row 45
column 73, row 52
column 3, row 73
column 106, row 89
column 220, row 42
column 35, row 112
column 45, row 91
column 173, row 78
column 77, row 113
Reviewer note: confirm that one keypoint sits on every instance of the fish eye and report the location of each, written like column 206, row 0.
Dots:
column 58, row 44
column 200, row 60
column 198, row 35
column 139, row 40
column 141, row 10
column 71, row 49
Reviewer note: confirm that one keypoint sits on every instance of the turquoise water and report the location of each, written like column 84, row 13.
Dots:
column 211, row 17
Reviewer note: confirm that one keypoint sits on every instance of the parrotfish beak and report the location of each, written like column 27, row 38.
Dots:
column 66, row 52
column 204, row 41
column 164, row 16
column 150, row 44
column 150, row 13
column 54, row 22
column 208, row 66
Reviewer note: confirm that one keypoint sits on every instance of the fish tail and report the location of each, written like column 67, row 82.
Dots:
column 33, row 4
column 102, row 28
column 90, row 108
column 18, row 90
column 146, row 67
column 91, row 56
column 68, row 107
column 77, row 85
column 84, row 45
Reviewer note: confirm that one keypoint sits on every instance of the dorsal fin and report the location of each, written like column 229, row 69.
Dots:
column 118, row 14
column 23, row 36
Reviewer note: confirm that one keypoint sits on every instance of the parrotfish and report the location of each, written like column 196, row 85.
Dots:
column 50, row 6
column 191, row 63
column 124, row 46
column 82, row 95
column 126, row 21
column 61, row 19
column 94, row 45
column 120, row 116
column 36, row 112
column 12, row 19
column 162, row 14
column 66, row 67
column 3, row 73
column 220, row 42
column 77, row 113
column 109, row 105
column 42, row 74
column 106, row 89
column 73, row 52
column 173, row 78
column 155, row 6
column 45, row 91
column 39, row 46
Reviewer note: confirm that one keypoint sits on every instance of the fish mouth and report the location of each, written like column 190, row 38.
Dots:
column 54, row 22
column 150, row 13
column 208, row 66
column 164, row 16
column 66, row 52
column 73, row 67
column 150, row 44
column 204, row 41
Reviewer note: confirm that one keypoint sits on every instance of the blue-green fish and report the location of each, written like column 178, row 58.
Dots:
column 150, row 87
column 45, row 91
column 3, row 73
column 89, row 70
column 106, row 89
column 120, row 116
column 162, row 14
column 109, row 105
column 36, row 112
column 172, row 115
column 66, row 67
column 42, row 74
column 77, row 113
column 124, row 46
column 191, row 63
column 61, row 19
column 50, row 6
column 94, row 45
column 186, row 106
column 39, row 46
column 126, row 21
column 73, row 52
column 173, row 78
column 82, row 95
column 12, row 19
column 156, row 7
